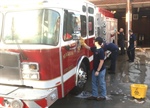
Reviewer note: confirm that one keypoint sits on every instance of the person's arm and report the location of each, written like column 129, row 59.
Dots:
column 126, row 41
column 84, row 44
column 99, row 67
column 134, row 44
column 107, row 54
column 101, row 62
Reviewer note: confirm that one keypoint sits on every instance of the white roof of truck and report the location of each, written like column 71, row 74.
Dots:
column 66, row 4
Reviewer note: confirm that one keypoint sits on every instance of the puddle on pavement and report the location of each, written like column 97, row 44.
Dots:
column 86, row 94
column 138, row 71
column 123, row 97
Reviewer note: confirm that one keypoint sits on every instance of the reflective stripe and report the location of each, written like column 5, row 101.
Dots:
column 32, row 104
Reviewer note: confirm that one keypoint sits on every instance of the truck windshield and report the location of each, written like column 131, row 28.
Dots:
column 32, row 27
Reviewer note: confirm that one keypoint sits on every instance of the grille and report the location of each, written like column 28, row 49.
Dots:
column 10, row 68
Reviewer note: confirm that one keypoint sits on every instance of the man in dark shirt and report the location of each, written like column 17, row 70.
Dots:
column 98, row 73
column 132, row 46
column 121, row 39
column 113, row 48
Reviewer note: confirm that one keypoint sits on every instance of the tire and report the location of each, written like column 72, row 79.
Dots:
column 82, row 78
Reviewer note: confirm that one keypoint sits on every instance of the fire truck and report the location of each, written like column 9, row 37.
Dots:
column 41, row 57
column 107, row 26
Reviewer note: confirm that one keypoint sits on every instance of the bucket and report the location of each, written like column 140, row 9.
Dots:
column 138, row 90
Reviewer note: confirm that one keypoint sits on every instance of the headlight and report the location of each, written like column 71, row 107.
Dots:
column 32, row 66
column 13, row 103
column 30, row 70
column 33, row 76
column 16, row 104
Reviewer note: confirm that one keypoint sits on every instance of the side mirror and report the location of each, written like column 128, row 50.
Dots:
column 75, row 37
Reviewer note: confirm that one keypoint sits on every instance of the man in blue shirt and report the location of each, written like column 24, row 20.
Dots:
column 113, row 48
column 98, row 72
column 132, row 46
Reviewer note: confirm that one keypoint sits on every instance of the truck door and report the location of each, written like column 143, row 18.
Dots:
column 71, row 48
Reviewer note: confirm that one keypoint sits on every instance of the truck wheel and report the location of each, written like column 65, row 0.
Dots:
column 82, row 77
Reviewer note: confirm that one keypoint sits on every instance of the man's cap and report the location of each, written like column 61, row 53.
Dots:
column 99, row 39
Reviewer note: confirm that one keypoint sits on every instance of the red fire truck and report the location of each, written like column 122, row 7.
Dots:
column 107, row 26
column 41, row 58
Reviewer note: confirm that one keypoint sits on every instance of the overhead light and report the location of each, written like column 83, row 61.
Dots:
column 113, row 12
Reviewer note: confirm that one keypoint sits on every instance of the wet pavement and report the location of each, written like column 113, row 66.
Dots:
column 118, row 86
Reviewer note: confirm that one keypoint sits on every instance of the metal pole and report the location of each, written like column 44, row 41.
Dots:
column 128, row 19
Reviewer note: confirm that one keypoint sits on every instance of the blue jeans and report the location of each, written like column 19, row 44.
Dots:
column 99, row 81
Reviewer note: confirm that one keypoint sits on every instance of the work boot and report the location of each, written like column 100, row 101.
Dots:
column 101, row 98
column 91, row 98
column 130, row 61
